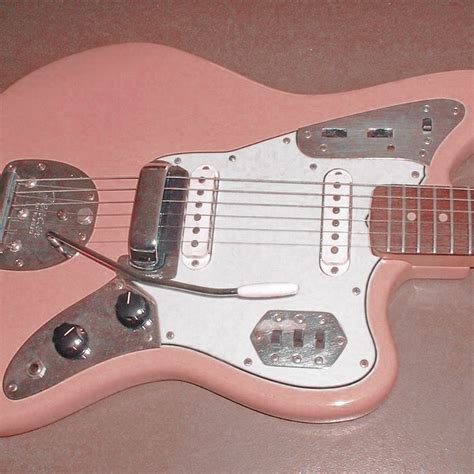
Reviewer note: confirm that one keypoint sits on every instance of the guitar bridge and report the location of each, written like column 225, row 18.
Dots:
column 157, row 218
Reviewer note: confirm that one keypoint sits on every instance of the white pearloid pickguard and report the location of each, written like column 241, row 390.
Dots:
column 221, row 327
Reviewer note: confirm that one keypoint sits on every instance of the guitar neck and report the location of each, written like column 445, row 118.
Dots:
column 432, row 222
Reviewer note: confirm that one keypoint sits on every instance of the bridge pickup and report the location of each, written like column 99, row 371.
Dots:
column 157, row 218
column 199, row 217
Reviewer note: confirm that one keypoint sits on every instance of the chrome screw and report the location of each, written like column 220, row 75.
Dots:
column 299, row 318
column 319, row 360
column 12, row 387
column 15, row 246
column 22, row 213
column 41, row 166
column 364, row 363
column 286, row 140
column 170, row 335
column 248, row 362
column 356, row 291
column 177, row 160
column 62, row 215
column 19, row 262
column 297, row 358
column 31, row 183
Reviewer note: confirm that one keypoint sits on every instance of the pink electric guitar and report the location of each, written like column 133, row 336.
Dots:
column 163, row 218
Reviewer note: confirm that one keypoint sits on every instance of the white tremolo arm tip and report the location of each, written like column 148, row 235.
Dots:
column 267, row 290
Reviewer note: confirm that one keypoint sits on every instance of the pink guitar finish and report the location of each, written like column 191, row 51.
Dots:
column 109, row 111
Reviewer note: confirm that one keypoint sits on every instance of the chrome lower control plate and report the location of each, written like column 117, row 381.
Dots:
column 298, row 339
column 38, row 365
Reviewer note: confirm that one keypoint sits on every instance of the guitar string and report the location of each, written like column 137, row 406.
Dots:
column 460, row 238
column 440, row 250
column 237, row 180
column 30, row 193
column 229, row 203
column 281, row 218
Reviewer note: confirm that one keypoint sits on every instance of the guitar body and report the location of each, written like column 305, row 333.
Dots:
column 109, row 112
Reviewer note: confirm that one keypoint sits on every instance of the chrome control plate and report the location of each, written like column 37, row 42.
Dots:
column 412, row 131
column 45, row 195
column 38, row 366
column 298, row 339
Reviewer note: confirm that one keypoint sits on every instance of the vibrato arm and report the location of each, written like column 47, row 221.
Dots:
column 255, row 291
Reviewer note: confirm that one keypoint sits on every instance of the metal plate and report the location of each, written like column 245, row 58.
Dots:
column 400, row 131
column 108, row 338
column 46, row 198
column 298, row 339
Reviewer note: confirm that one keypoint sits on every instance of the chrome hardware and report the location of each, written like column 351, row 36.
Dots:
column 400, row 131
column 298, row 339
column 334, row 132
column 254, row 291
column 427, row 125
column 199, row 217
column 380, row 133
column 157, row 217
column 30, row 192
column 336, row 215
column 37, row 365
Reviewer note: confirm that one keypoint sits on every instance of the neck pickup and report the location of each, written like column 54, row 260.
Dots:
column 411, row 221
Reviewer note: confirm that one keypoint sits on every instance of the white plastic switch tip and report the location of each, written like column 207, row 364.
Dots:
column 267, row 290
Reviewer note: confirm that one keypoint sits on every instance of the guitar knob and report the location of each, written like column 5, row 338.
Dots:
column 70, row 340
column 132, row 310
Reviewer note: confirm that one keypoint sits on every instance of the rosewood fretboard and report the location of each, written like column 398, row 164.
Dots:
column 421, row 220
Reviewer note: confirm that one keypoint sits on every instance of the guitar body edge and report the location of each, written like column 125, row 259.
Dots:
column 43, row 120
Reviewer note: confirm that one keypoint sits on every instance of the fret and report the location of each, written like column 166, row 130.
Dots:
column 469, row 219
column 418, row 220
column 404, row 210
column 421, row 220
column 451, row 221
column 389, row 218
column 435, row 223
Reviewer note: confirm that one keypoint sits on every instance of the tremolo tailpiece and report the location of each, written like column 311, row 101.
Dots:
column 155, row 238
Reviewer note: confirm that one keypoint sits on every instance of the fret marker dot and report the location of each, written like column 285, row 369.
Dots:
column 443, row 217
column 411, row 216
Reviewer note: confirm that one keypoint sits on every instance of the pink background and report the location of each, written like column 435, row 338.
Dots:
column 300, row 46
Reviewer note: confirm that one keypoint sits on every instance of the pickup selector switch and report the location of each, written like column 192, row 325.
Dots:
column 132, row 310
column 70, row 340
